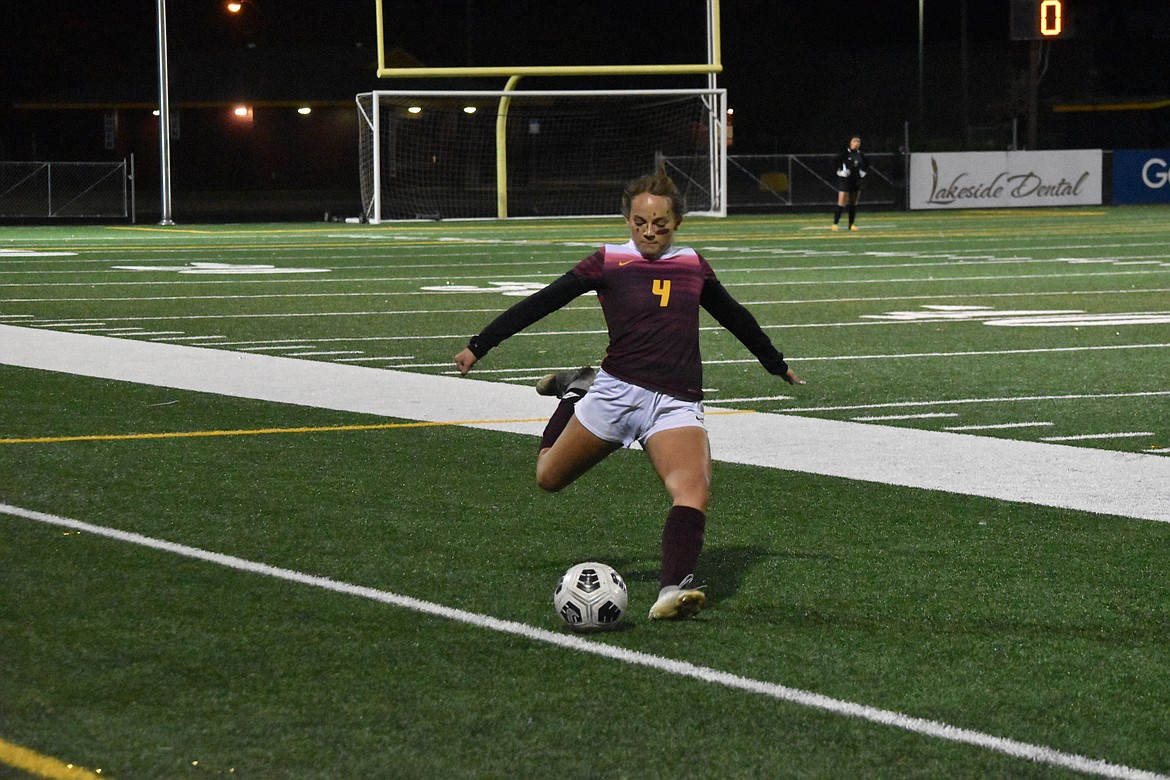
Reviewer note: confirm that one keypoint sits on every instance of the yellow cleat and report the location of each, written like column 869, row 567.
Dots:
column 678, row 602
column 834, row 227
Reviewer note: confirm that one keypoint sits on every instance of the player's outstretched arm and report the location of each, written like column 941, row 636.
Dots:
column 465, row 360
column 791, row 378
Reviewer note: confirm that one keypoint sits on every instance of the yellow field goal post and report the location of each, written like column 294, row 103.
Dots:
column 520, row 153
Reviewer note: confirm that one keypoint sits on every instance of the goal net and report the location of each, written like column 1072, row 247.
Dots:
column 484, row 154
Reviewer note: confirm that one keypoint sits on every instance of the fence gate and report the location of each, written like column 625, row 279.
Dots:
column 63, row 189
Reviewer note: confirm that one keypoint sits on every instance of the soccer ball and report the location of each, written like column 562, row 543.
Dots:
column 591, row 597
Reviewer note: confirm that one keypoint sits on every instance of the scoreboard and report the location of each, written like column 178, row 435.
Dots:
column 1042, row 20
column 1119, row 20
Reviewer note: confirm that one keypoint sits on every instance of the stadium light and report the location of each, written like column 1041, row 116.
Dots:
column 304, row 110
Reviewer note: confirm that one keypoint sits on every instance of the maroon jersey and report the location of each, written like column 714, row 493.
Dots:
column 651, row 309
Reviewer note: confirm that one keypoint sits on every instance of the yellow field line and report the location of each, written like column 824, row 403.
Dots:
column 268, row 431
column 34, row 763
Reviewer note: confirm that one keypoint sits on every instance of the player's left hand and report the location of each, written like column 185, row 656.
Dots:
column 792, row 379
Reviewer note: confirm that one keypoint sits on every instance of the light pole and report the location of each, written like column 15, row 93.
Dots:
column 921, row 33
column 164, row 115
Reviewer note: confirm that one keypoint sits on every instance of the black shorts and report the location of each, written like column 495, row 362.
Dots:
column 848, row 185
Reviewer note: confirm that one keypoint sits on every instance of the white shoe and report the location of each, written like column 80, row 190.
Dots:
column 676, row 602
column 578, row 380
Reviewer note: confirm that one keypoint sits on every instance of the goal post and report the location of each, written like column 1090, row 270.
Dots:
column 436, row 154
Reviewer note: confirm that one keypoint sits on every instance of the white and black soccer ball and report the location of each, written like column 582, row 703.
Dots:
column 591, row 597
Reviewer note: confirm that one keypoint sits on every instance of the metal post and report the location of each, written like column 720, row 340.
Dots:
column 1033, row 90
column 921, row 67
column 164, row 115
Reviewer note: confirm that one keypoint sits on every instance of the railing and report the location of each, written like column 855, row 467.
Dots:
column 782, row 181
column 64, row 189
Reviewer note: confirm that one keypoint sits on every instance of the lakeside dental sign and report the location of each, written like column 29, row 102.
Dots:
column 973, row 180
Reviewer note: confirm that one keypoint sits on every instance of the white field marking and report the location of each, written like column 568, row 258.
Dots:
column 800, row 359
column 495, row 277
column 885, row 417
column 1090, row 436
column 107, row 330
column 888, row 298
column 341, row 260
column 1025, row 318
column 998, row 426
column 222, row 268
column 68, row 323
column 157, row 333
column 194, row 338
column 974, row 353
column 272, row 348
column 780, row 302
column 5, row 254
column 718, row 401
column 366, row 358
column 1083, row 320
column 994, row 400
column 963, row 313
column 326, row 354
column 896, row 720
column 1069, row 477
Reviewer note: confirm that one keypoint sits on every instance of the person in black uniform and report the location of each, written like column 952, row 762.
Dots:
column 850, row 168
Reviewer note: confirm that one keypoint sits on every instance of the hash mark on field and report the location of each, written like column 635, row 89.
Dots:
column 1090, row 436
column 999, row 426
column 326, row 354
column 926, row 416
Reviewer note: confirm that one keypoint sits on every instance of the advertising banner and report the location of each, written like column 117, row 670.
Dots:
column 1141, row 176
column 974, row 180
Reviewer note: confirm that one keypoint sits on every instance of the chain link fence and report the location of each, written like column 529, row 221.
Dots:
column 32, row 190
column 767, row 182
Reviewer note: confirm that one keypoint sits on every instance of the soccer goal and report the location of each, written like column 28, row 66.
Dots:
column 497, row 154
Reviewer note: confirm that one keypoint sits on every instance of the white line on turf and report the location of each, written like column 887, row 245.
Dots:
column 1084, row 479
column 892, row 417
column 929, row 728
column 999, row 426
column 1089, row 436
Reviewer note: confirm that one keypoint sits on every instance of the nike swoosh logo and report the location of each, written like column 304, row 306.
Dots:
column 626, row 262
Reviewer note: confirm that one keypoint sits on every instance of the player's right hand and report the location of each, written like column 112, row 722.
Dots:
column 464, row 361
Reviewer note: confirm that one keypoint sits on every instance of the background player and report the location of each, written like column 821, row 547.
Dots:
column 850, row 167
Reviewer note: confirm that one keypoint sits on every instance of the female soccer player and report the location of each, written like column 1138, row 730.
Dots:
column 649, row 388
column 851, row 167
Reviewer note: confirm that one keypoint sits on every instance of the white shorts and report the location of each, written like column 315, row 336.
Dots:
column 622, row 413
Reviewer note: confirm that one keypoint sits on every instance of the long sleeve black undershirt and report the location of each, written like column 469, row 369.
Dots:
column 532, row 309
column 727, row 311
column 732, row 315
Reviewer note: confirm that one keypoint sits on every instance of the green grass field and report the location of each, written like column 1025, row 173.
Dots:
column 1037, row 634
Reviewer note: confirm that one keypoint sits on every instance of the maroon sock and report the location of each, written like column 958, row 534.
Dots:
column 682, row 541
column 560, row 418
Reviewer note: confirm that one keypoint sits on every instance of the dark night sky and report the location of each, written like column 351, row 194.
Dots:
column 796, row 70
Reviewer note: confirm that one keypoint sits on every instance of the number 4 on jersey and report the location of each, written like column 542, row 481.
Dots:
column 661, row 288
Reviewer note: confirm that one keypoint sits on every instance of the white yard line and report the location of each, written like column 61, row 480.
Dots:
column 929, row 728
column 1090, row 480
